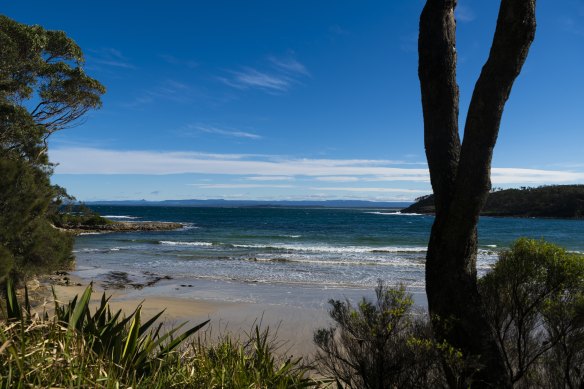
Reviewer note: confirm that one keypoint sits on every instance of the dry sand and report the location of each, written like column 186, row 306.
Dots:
column 294, row 326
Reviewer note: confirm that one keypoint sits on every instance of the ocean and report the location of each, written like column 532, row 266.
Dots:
column 297, row 256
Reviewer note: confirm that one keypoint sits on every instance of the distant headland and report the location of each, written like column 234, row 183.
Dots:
column 555, row 201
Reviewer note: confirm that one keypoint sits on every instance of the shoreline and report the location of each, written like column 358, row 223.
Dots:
column 232, row 307
column 292, row 326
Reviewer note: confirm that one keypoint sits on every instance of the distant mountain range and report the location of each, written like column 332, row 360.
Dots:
column 258, row 203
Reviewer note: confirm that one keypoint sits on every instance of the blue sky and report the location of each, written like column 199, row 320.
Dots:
column 296, row 99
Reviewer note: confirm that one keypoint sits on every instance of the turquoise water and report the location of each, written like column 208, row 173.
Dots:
column 312, row 247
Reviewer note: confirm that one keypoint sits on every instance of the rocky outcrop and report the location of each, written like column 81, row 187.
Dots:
column 124, row 227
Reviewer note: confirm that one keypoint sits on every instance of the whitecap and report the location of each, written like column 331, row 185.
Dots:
column 396, row 213
column 121, row 217
column 175, row 243
column 334, row 249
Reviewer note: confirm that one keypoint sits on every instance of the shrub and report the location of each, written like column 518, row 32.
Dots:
column 534, row 301
column 383, row 344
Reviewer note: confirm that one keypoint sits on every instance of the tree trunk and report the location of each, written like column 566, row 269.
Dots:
column 460, row 174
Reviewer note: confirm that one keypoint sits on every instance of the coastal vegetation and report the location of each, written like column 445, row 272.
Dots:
column 43, row 89
column 78, row 218
column 534, row 304
column 534, row 297
column 75, row 347
column 554, row 201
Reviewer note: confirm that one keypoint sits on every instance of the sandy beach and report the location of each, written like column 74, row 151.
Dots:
column 293, row 326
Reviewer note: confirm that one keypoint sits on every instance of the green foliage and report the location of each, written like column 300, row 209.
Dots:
column 29, row 242
column 77, row 216
column 43, row 89
column 561, row 201
column 534, row 300
column 383, row 344
column 77, row 348
column 249, row 364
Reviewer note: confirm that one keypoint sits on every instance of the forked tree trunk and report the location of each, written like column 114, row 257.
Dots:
column 460, row 173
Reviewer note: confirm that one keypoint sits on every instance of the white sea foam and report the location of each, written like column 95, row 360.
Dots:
column 189, row 226
column 335, row 249
column 91, row 233
column 397, row 213
column 175, row 243
column 121, row 217
column 396, row 262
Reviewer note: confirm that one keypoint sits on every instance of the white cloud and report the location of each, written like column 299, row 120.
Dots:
column 109, row 56
column 252, row 78
column 289, row 65
column 78, row 160
column 534, row 176
column 464, row 13
column 226, row 132
column 337, row 179
column 238, row 186
column 169, row 89
column 171, row 59
column 269, row 178
column 369, row 189
column 281, row 74
column 100, row 161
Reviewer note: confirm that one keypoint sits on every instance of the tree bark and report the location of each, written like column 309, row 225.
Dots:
column 460, row 174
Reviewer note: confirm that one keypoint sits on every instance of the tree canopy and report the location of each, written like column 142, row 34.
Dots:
column 43, row 89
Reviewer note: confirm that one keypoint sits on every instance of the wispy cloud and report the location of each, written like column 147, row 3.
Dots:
column 369, row 189
column 409, row 43
column 337, row 179
column 239, row 186
column 570, row 25
column 103, row 161
column 171, row 59
column 109, row 56
column 464, row 13
column 229, row 132
column 534, row 176
column 335, row 29
column 168, row 89
column 252, row 78
column 279, row 77
column 269, row 178
column 288, row 64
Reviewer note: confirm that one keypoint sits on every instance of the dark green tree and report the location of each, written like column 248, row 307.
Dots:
column 43, row 89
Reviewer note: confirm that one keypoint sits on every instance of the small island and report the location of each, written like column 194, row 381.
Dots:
column 554, row 201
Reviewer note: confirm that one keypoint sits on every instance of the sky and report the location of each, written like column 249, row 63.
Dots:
column 293, row 100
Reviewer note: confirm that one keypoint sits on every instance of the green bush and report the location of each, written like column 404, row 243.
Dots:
column 383, row 344
column 28, row 242
column 534, row 301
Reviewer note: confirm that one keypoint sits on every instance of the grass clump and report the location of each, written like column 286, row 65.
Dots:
column 103, row 349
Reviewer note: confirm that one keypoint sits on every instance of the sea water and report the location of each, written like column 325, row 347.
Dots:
column 279, row 255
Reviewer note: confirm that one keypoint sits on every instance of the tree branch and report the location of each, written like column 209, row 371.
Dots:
column 437, row 73
column 513, row 36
